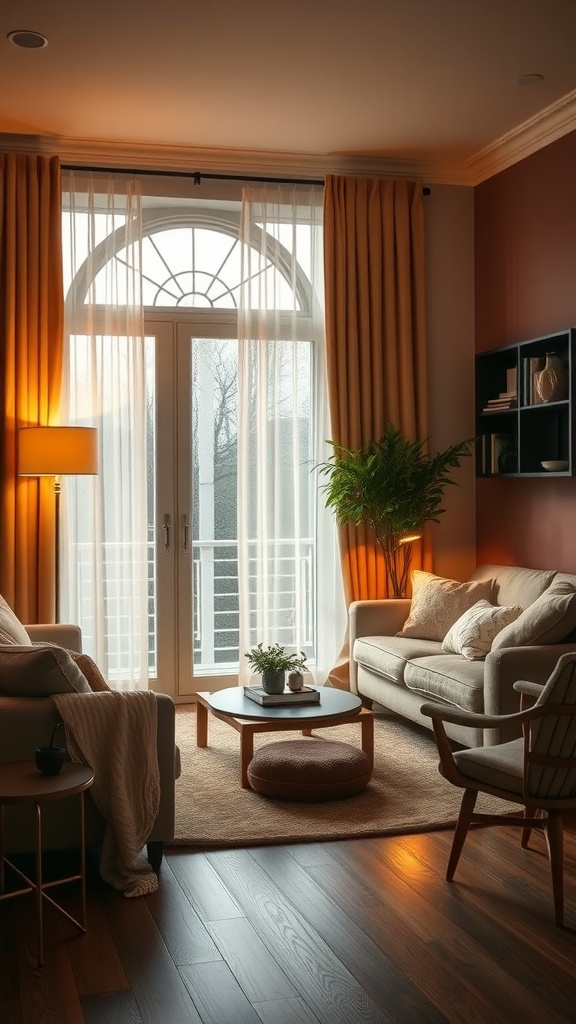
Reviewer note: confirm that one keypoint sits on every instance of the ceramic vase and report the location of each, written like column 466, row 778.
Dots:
column 295, row 681
column 552, row 381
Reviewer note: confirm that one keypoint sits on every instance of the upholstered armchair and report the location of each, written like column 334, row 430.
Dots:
column 27, row 722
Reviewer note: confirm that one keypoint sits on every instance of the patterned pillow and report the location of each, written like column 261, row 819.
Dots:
column 39, row 671
column 472, row 634
column 437, row 603
column 11, row 629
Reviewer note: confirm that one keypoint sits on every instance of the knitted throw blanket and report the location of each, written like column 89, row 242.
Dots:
column 115, row 733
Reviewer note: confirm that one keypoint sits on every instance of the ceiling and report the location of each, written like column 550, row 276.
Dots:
column 310, row 85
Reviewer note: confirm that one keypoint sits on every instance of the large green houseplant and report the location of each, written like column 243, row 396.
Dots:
column 394, row 487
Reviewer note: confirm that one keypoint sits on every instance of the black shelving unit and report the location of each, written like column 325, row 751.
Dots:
column 516, row 430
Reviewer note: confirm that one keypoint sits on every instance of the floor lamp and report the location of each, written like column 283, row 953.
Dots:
column 57, row 452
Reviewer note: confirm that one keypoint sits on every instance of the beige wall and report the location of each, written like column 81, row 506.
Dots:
column 450, row 282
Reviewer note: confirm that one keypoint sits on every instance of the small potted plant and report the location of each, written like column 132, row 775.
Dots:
column 272, row 663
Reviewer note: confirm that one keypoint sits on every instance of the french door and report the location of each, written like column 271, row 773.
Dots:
column 195, row 610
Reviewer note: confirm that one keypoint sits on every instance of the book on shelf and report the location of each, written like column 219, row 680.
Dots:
column 307, row 695
column 512, row 380
column 530, row 367
column 498, row 454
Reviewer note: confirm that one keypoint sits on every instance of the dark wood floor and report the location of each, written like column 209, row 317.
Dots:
column 338, row 933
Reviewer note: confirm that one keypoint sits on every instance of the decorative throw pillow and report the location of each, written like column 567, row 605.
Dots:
column 11, row 629
column 39, row 671
column 548, row 620
column 90, row 670
column 472, row 634
column 438, row 602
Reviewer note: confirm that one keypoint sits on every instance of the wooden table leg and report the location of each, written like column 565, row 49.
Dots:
column 367, row 727
column 246, row 753
column 201, row 725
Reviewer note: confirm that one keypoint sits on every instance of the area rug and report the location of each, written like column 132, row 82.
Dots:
column 406, row 793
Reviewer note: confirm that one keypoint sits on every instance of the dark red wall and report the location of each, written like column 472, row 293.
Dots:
column 525, row 286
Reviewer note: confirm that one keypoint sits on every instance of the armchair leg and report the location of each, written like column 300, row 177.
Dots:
column 555, row 842
column 464, row 818
column 529, row 812
column 155, row 853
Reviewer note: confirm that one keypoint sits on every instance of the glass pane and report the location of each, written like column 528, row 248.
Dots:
column 214, row 448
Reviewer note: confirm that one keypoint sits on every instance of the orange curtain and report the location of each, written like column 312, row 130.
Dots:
column 375, row 338
column 31, row 348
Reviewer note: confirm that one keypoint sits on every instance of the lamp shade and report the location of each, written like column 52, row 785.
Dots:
column 57, row 451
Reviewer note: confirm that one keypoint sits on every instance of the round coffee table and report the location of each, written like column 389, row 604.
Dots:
column 336, row 707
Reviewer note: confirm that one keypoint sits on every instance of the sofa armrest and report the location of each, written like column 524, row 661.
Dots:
column 64, row 634
column 383, row 617
column 507, row 665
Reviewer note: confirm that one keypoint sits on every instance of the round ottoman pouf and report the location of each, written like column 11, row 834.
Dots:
column 309, row 770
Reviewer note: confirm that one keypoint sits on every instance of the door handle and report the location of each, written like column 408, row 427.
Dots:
column 185, row 533
column 166, row 532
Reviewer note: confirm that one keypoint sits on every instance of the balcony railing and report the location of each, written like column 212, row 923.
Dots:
column 289, row 611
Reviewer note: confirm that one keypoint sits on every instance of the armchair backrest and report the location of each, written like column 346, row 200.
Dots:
column 551, row 766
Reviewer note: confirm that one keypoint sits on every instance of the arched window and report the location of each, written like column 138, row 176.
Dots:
column 175, row 382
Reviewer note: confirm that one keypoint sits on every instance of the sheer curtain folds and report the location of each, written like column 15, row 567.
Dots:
column 106, row 554
column 286, row 540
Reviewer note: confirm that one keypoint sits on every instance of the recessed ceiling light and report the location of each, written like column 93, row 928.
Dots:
column 528, row 79
column 28, row 40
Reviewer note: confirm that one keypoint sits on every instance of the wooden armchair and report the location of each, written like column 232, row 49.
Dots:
column 537, row 771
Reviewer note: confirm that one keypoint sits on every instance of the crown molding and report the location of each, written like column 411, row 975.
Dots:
column 188, row 160
column 547, row 126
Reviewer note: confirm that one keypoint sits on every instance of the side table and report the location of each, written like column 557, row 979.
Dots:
column 20, row 783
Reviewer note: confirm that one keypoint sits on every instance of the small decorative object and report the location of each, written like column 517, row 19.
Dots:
column 295, row 681
column 555, row 465
column 552, row 381
column 273, row 662
column 49, row 760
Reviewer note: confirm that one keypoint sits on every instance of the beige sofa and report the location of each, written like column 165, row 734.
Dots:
column 402, row 672
column 28, row 722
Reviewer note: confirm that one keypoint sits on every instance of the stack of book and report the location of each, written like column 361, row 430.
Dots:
column 505, row 400
column 307, row 695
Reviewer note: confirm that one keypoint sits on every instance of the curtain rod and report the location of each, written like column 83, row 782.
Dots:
column 197, row 176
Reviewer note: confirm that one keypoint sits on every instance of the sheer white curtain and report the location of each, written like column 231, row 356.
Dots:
column 105, row 518
column 289, row 582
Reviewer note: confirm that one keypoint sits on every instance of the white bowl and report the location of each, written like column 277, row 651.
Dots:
column 555, row 466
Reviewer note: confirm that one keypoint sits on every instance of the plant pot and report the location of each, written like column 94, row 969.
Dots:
column 49, row 760
column 273, row 681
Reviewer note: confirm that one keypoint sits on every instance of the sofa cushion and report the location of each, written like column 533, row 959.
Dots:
column 388, row 655
column 512, row 585
column 11, row 629
column 472, row 634
column 549, row 620
column 437, row 603
column 448, row 678
column 39, row 671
